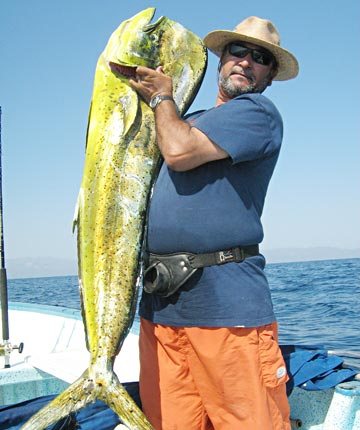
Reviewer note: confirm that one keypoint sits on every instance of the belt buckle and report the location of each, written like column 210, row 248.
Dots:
column 226, row 256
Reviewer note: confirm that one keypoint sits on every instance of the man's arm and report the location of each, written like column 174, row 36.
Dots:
column 182, row 146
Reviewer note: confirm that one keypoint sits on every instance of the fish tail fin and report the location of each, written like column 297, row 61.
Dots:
column 84, row 391
column 120, row 401
column 72, row 399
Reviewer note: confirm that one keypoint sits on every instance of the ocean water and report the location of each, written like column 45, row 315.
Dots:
column 316, row 302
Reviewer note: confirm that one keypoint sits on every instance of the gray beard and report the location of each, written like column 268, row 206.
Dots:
column 232, row 90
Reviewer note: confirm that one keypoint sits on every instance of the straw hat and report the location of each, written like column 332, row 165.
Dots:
column 260, row 32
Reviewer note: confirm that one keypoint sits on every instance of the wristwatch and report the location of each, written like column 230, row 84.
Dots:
column 156, row 100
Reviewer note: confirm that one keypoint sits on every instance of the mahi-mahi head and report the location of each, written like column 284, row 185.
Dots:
column 120, row 166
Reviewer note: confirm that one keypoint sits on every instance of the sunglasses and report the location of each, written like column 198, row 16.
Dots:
column 260, row 57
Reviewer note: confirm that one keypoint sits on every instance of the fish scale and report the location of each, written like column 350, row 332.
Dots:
column 121, row 163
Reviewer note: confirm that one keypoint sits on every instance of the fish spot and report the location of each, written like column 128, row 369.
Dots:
column 89, row 385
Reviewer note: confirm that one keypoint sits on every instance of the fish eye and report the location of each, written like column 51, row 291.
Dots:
column 153, row 37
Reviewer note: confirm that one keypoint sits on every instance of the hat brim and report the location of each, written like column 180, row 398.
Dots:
column 288, row 66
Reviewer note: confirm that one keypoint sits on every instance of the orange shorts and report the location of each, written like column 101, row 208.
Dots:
column 213, row 378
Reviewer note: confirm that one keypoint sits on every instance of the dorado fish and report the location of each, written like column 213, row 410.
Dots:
column 121, row 164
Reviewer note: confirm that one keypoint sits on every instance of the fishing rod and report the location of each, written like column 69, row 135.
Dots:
column 5, row 345
column 3, row 278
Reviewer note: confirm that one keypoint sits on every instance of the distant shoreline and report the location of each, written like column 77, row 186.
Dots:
column 43, row 267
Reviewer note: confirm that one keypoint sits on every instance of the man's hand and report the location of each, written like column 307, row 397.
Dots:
column 182, row 146
column 149, row 83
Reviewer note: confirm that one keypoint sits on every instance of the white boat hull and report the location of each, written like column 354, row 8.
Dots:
column 54, row 353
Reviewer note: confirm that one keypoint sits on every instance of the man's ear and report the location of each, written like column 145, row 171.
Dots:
column 273, row 73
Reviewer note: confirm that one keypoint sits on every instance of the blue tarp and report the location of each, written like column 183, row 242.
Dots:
column 313, row 369
column 96, row 416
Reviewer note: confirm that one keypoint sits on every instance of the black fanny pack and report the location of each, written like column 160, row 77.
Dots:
column 166, row 273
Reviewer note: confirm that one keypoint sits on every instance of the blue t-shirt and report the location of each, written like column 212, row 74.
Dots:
column 213, row 207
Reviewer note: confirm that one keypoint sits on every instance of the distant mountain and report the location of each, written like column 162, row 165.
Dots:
column 285, row 255
column 47, row 266
column 40, row 267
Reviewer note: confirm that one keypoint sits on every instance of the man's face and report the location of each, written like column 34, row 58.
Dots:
column 243, row 75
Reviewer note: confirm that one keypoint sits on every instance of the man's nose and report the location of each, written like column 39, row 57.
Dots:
column 246, row 61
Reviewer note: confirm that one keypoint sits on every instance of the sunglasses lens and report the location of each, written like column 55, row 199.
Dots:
column 260, row 57
column 238, row 50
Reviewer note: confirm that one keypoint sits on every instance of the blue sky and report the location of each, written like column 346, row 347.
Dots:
column 48, row 56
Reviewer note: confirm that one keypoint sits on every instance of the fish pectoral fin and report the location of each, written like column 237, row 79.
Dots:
column 75, row 221
column 79, row 201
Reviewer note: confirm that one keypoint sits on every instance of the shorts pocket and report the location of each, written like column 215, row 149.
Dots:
column 271, row 360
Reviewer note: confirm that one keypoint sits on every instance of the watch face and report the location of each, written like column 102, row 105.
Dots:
column 154, row 101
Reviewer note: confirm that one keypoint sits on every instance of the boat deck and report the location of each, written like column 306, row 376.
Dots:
column 55, row 355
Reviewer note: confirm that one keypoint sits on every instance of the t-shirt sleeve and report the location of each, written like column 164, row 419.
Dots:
column 248, row 127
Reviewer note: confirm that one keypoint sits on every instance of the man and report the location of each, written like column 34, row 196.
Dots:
column 208, row 347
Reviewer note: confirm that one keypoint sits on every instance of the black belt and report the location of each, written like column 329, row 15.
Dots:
column 165, row 274
column 232, row 255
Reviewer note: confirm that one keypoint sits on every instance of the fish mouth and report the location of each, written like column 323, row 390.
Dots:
column 151, row 26
column 124, row 60
column 128, row 71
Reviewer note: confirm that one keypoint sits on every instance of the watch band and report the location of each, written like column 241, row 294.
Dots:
column 156, row 100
